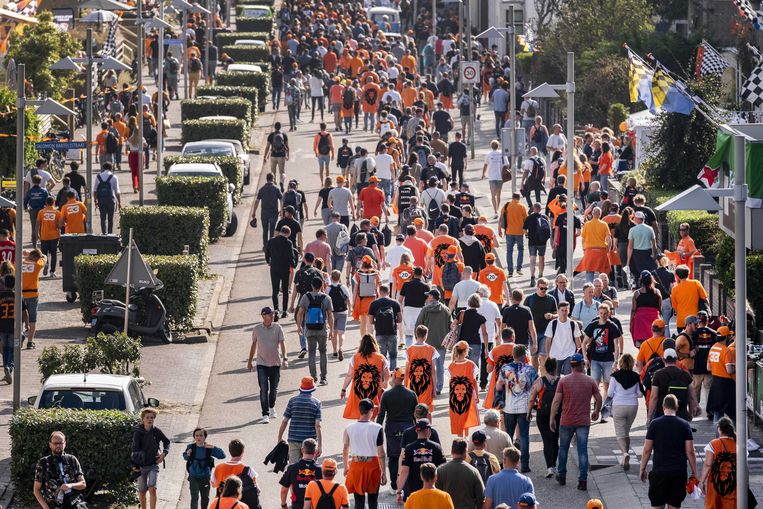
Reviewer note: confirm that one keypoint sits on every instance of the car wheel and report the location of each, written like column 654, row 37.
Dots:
column 232, row 226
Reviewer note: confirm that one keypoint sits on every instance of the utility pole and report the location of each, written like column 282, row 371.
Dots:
column 160, row 95
column 89, row 128
column 467, row 8
column 139, row 57
column 512, row 99
column 570, row 89
column 18, row 318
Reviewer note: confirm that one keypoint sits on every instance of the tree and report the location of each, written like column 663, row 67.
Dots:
column 38, row 47
column 545, row 11
column 8, row 127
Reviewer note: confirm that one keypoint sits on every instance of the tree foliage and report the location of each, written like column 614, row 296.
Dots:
column 8, row 126
column 115, row 354
column 38, row 47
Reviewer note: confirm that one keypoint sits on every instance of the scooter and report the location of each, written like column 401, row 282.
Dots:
column 107, row 315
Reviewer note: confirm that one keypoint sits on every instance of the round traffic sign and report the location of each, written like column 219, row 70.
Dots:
column 470, row 72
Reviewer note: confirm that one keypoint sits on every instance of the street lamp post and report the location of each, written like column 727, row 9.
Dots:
column 139, row 113
column 467, row 9
column 512, row 99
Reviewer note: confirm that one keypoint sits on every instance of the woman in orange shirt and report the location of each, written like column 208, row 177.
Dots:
column 605, row 165
column 401, row 274
column 230, row 496
column 501, row 354
column 463, row 399
column 368, row 373
column 717, row 477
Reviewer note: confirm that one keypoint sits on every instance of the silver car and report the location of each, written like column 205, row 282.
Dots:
column 208, row 170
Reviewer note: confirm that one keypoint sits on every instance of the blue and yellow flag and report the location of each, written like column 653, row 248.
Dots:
column 667, row 95
column 640, row 81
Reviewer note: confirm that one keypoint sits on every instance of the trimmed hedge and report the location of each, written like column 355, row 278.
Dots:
column 703, row 228
column 212, row 192
column 254, row 24
column 166, row 230
column 200, row 130
column 247, row 53
column 192, row 109
column 249, row 93
column 228, row 38
column 258, row 80
column 230, row 166
column 178, row 273
column 100, row 439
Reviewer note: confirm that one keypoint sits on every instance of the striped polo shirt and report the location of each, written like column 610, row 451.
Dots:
column 302, row 410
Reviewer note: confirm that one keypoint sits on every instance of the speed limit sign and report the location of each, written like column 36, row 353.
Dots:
column 470, row 72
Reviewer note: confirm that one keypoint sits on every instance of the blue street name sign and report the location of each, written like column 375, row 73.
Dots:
column 59, row 145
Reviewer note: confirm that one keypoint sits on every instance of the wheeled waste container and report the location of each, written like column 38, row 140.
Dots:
column 73, row 245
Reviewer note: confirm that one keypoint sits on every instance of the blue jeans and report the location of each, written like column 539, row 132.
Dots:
column 386, row 186
column 510, row 423
column 604, row 180
column 268, row 378
column 6, row 340
column 302, row 338
column 324, row 161
column 388, row 347
column 369, row 118
column 511, row 241
column 563, row 366
column 475, row 352
column 498, row 122
column 581, row 443
column 667, row 313
column 440, row 363
column 337, row 262
column 276, row 95
column 589, row 276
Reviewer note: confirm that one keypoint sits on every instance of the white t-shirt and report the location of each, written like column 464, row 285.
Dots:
column 556, row 141
column 384, row 164
column 44, row 175
column 494, row 161
column 394, row 94
column 563, row 345
column 394, row 253
column 491, row 312
column 527, row 165
column 363, row 437
column 463, row 290
column 316, row 87
column 432, row 193
column 393, row 73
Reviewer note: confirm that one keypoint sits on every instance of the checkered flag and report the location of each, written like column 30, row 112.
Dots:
column 752, row 91
column 110, row 44
column 747, row 12
column 755, row 52
column 709, row 61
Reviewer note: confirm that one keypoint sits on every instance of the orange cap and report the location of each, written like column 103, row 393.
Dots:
column 724, row 331
column 375, row 220
column 595, row 503
column 452, row 250
column 490, row 257
column 418, row 220
column 659, row 323
column 373, row 178
column 329, row 464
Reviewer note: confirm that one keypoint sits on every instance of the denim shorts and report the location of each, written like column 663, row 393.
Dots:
column 324, row 160
column 31, row 307
column 601, row 371
column 148, row 478
column 340, row 321
column 537, row 250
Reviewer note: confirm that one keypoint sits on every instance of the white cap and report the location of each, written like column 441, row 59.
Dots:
column 640, row 215
column 669, row 353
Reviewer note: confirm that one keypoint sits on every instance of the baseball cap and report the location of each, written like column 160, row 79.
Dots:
column 702, row 315
column 452, row 250
column 293, row 183
column 435, row 293
column 669, row 353
column 418, row 220
column 469, row 229
column 375, row 220
column 479, row 436
column 373, row 178
column 691, row 319
column 267, row 310
column 594, row 503
column 329, row 464
column 490, row 257
column 576, row 359
column 527, row 500
column 645, row 274
column 399, row 237
column 423, row 424
column 659, row 323
column 290, row 209
column 640, row 215
column 724, row 331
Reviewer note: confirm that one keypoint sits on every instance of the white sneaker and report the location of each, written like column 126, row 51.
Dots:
column 265, row 419
column 550, row 471
column 272, row 413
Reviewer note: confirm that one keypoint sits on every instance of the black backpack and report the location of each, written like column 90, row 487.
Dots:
column 112, row 143
column 539, row 169
column 385, row 318
column 547, row 397
column 323, row 144
column 680, row 389
column 653, row 365
column 482, row 464
column 303, row 280
column 348, row 98
column 209, row 461
column 250, row 493
column 338, row 298
column 543, row 232
column 433, row 209
column 294, row 199
column 174, row 66
column 278, row 142
column 103, row 190
column 195, row 65
column 531, row 109
column 326, row 501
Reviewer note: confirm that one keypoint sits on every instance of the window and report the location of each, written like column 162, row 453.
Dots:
column 83, row 399
column 136, row 395
column 519, row 19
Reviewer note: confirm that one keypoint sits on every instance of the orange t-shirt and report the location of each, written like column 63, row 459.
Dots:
column 651, row 346
column 48, row 219
column 419, row 249
column 100, row 139
column 685, row 298
column 402, row 274
column 410, row 62
column 499, row 356
column 486, row 236
column 30, row 278
column 313, row 493
column 370, row 97
column 227, row 503
column 372, row 199
column 595, row 233
column 515, row 213
column 122, row 129
column 425, row 235
column 718, row 357
column 409, row 96
column 462, row 405
column 419, row 372
column 73, row 213
column 224, row 470
column 367, row 377
column 437, row 249
column 722, row 497
column 494, row 278
column 356, row 64
column 335, row 93
column 329, row 62
column 605, row 163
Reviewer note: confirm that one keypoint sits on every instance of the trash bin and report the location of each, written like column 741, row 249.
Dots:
column 73, row 245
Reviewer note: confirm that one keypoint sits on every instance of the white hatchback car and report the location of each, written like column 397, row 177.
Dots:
column 242, row 154
column 255, row 12
column 208, row 170
column 244, row 68
column 92, row 392
column 249, row 42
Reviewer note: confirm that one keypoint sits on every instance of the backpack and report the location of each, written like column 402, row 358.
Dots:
column 326, row 501
column 294, row 199
column 5, row 220
column 250, row 493
column 543, row 232
column 546, row 397
column 289, row 98
column 654, row 364
column 314, row 318
column 680, row 389
column 385, row 319
column 174, row 66
column 539, row 169
column 532, row 109
column 112, row 143
column 348, row 98
column 387, row 233
column 367, row 287
column 338, row 298
column 303, row 280
column 103, row 190
column 433, row 209
column 342, row 244
column 363, row 177
column 195, row 65
column 209, row 461
column 278, row 142
column 323, row 144
column 482, row 464
column 450, row 276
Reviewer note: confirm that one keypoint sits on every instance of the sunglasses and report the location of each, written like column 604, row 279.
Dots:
column 543, row 288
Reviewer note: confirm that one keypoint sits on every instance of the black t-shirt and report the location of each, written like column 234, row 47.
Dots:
column 471, row 325
column 465, row 199
column 416, row 454
column 561, row 223
column 531, row 225
column 432, row 171
column 442, row 121
column 414, row 293
column 293, row 224
column 669, row 434
column 323, row 194
column 282, row 151
column 269, row 196
column 539, row 306
column 384, row 323
column 77, row 181
column 703, row 340
column 457, row 153
column 297, row 476
column 7, row 313
column 602, row 347
column 669, row 380
column 518, row 317
column 409, row 436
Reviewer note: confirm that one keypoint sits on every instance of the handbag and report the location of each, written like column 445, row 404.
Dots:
column 451, row 338
column 505, row 173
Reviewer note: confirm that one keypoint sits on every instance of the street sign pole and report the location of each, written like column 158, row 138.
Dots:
column 127, row 282
column 139, row 58
column 89, row 128
column 512, row 99
column 570, row 89
column 17, row 322
column 185, row 53
column 472, row 111
column 160, row 95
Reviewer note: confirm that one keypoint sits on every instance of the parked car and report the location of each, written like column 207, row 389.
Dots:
column 376, row 15
column 92, row 391
column 208, row 170
column 249, row 42
column 244, row 68
column 242, row 154
column 259, row 11
column 220, row 147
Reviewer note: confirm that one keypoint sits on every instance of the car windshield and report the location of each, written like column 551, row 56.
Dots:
column 85, row 399
column 192, row 173
column 215, row 151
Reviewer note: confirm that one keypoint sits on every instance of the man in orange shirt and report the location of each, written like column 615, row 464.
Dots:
column 418, row 246
column 408, row 61
column 495, row 279
column 48, row 231
column 596, row 244
column 330, row 60
column 124, row 132
column 721, row 363
column 335, row 98
column 31, row 266
column 369, row 101
column 512, row 220
column 686, row 295
column 100, row 140
column 372, row 201
column 486, row 235
column 652, row 346
column 355, row 64
column 421, row 232
column 408, row 94
column 73, row 214
column 316, row 489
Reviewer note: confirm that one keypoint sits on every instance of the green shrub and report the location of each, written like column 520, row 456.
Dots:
column 100, row 439
column 703, row 228
column 200, row 130
column 254, row 24
column 249, row 93
column 178, row 273
column 258, row 80
column 211, row 192
column 247, row 53
column 226, row 38
column 115, row 354
column 192, row 109
column 231, row 167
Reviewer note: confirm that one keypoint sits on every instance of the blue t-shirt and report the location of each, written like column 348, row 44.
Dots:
column 507, row 486
column 642, row 236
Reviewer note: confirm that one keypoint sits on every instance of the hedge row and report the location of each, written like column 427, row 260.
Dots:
column 200, row 130
column 254, row 24
column 179, row 274
column 212, row 192
column 247, row 53
column 228, row 38
column 249, row 93
column 101, row 440
column 192, row 109
column 258, row 80
column 230, row 166
column 703, row 228
column 167, row 230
